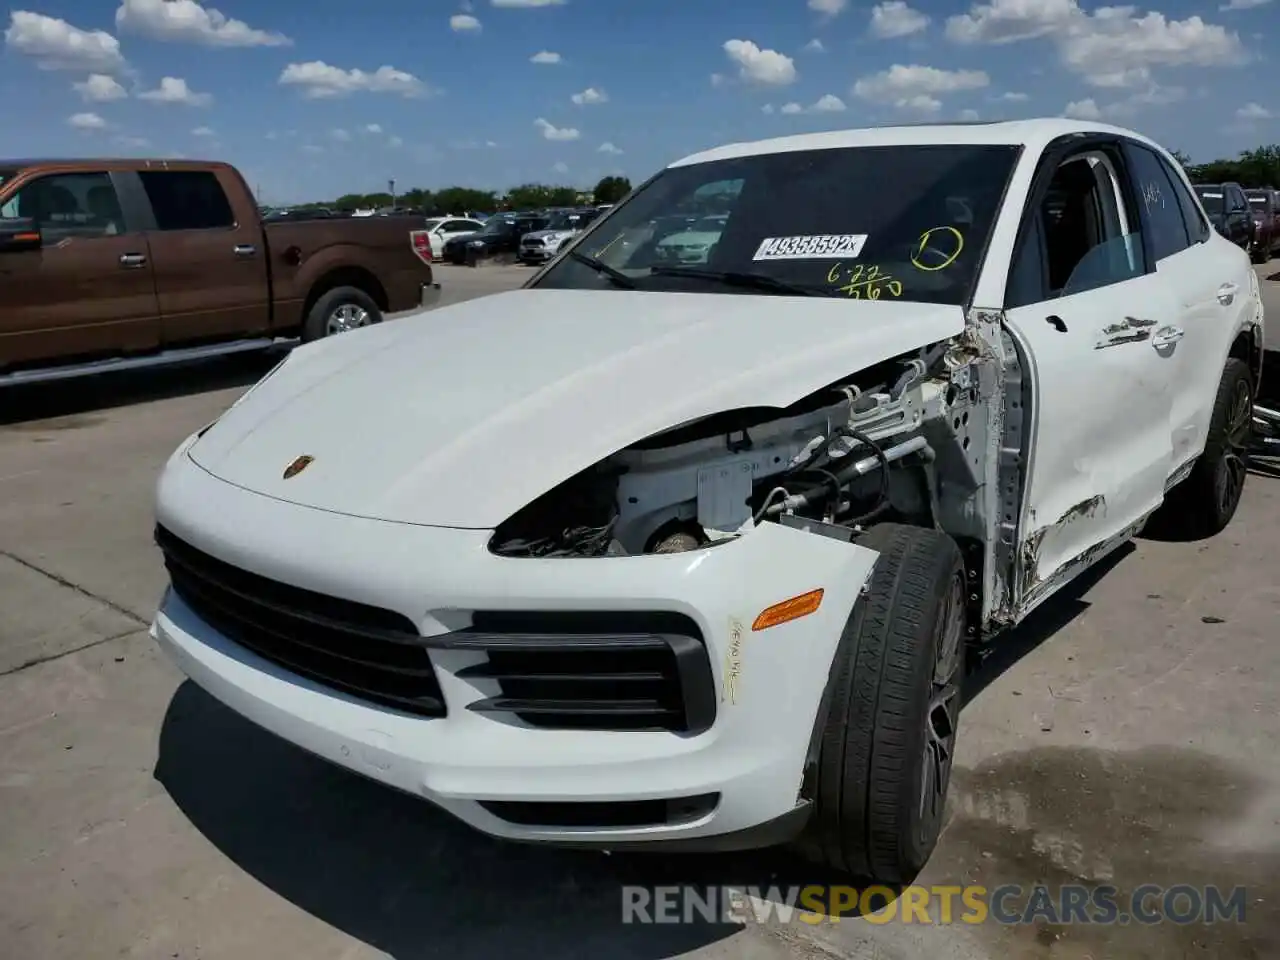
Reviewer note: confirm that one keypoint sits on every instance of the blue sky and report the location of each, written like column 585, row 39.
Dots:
column 317, row 98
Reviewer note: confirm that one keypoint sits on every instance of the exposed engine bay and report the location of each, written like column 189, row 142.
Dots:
column 885, row 445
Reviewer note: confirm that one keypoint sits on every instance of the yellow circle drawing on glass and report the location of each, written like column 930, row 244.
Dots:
column 932, row 252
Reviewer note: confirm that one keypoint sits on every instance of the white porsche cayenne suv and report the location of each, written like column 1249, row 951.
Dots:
column 659, row 553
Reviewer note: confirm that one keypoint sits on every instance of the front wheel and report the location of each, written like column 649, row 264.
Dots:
column 886, row 750
column 338, row 311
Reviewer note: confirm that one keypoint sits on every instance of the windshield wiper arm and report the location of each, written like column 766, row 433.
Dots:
column 752, row 281
column 599, row 266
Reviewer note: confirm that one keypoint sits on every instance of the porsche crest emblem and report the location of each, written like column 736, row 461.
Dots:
column 298, row 465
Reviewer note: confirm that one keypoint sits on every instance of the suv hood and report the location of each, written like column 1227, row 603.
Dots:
column 460, row 416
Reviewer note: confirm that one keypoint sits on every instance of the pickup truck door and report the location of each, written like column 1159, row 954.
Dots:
column 1100, row 450
column 206, row 246
column 87, row 289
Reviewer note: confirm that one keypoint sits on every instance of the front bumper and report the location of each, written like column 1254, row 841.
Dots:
column 746, row 768
column 537, row 254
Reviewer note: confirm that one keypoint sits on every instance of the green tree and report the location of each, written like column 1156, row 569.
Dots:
column 611, row 189
column 1183, row 159
column 460, row 199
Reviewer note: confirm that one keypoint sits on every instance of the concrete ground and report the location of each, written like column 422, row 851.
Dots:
column 1124, row 736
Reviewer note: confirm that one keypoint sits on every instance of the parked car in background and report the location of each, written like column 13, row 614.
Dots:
column 111, row 264
column 694, row 244
column 500, row 235
column 541, row 245
column 1228, row 210
column 440, row 230
column 1265, row 204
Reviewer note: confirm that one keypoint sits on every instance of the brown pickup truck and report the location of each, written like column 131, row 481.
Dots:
column 109, row 264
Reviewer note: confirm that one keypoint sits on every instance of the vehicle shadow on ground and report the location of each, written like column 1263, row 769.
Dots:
column 103, row 391
column 394, row 872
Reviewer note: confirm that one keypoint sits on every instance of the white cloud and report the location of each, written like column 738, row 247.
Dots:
column 828, row 103
column 318, row 79
column 894, row 18
column 814, row 46
column 395, row 142
column 202, row 132
column 917, row 87
column 968, row 115
column 1243, row 4
column 373, row 128
column 767, row 108
column 719, row 79
column 792, row 108
column 1108, row 47
column 1082, row 110
column 527, row 3
column 551, row 132
column 463, row 22
column 1253, row 111
column 607, row 147
column 829, row 7
column 186, row 21
column 1014, row 97
column 589, row 96
column 100, row 88
column 56, row 45
column 560, row 167
column 87, row 121
column 545, row 56
column 175, row 90
column 340, row 135
column 132, row 143
column 312, row 148
column 768, row 67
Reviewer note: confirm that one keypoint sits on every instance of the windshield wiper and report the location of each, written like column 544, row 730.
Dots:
column 751, row 281
column 599, row 266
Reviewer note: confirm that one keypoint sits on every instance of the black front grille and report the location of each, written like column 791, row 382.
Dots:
column 592, row 671
column 604, row 813
column 368, row 652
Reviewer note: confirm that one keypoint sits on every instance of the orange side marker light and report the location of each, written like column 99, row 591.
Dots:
column 789, row 610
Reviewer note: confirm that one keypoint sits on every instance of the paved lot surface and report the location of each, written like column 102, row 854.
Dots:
column 1127, row 736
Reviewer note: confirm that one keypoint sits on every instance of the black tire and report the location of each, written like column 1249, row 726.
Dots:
column 1259, row 253
column 1206, row 501
column 895, row 701
column 318, row 322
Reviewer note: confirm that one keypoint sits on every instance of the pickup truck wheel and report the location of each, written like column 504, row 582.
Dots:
column 339, row 310
column 886, row 750
column 1206, row 501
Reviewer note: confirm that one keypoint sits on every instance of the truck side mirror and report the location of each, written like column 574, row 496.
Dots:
column 19, row 233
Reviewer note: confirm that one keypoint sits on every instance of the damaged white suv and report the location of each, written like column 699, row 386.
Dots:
column 657, row 553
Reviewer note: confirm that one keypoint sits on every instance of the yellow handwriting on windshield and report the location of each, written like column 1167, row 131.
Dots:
column 938, row 248
column 863, row 282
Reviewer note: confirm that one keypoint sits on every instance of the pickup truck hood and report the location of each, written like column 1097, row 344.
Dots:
column 460, row 416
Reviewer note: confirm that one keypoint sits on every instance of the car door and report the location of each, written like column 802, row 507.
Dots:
column 1083, row 304
column 456, row 228
column 87, row 289
column 1209, row 280
column 211, row 276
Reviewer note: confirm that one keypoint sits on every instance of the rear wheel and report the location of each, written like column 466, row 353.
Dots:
column 338, row 311
column 886, row 750
column 1205, row 502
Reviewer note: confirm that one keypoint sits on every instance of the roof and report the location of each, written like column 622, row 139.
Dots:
column 111, row 163
column 1034, row 134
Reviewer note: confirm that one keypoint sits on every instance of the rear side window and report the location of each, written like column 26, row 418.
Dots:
column 187, row 200
column 1197, row 227
column 1159, row 202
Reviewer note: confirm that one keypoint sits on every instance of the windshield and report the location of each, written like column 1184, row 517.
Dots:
column 565, row 221
column 1211, row 200
column 894, row 222
column 433, row 223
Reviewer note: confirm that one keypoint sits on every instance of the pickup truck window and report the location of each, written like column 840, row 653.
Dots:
column 894, row 222
column 187, row 200
column 69, row 205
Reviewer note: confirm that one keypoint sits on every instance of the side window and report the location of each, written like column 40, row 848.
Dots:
column 454, row 226
column 1197, row 227
column 1159, row 202
column 187, row 200
column 1091, row 235
column 68, row 205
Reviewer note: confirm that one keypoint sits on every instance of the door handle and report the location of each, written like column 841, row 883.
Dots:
column 133, row 260
column 1227, row 293
column 1167, row 336
column 245, row 250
